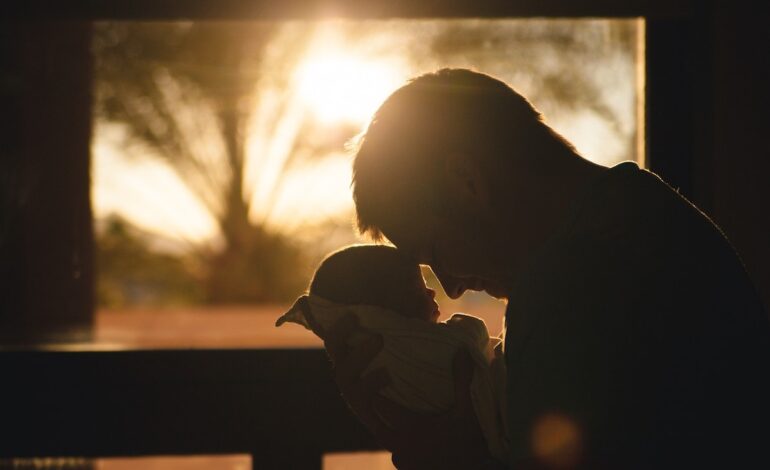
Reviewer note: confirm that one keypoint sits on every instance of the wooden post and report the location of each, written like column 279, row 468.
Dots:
column 46, row 241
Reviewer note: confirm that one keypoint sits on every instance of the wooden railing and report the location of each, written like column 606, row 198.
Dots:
column 280, row 406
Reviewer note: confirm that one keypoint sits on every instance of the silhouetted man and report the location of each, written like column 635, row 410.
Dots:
column 634, row 336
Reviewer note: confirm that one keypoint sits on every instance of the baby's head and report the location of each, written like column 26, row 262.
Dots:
column 375, row 275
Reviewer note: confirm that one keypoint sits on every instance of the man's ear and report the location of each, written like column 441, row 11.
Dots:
column 464, row 177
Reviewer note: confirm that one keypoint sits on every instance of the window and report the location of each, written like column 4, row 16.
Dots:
column 220, row 176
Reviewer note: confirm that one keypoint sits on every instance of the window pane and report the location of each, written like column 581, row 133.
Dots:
column 220, row 176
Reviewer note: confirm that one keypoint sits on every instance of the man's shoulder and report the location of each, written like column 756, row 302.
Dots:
column 635, row 217
column 638, row 253
column 629, row 201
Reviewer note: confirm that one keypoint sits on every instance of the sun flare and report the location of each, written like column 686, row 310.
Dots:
column 342, row 87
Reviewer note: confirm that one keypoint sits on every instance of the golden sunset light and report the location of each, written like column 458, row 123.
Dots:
column 334, row 83
column 340, row 86
column 327, row 78
column 129, row 186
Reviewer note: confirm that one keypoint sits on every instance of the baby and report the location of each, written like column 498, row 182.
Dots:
column 375, row 275
column 385, row 290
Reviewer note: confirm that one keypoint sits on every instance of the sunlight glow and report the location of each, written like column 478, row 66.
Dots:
column 130, row 187
column 327, row 78
column 315, row 192
column 341, row 87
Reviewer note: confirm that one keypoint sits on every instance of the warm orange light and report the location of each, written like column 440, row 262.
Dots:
column 342, row 87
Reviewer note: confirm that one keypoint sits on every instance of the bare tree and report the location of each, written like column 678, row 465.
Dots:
column 190, row 95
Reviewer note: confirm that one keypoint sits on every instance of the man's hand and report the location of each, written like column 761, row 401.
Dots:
column 349, row 365
column 451, row 440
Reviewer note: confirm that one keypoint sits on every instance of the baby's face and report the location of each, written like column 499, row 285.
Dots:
column 420, row 301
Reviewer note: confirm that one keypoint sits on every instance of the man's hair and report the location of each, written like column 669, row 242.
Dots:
column 365, row 275
column 398, row 159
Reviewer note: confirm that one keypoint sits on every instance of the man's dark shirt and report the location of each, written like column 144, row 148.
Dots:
column 637, row 331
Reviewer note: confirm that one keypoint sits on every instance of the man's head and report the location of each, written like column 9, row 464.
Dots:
column 375, row 275
column 435, row 169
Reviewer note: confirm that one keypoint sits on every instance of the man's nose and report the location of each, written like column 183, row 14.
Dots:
column 453, row 286
column 431, row 293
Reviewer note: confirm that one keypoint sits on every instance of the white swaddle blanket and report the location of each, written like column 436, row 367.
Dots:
column 419, row 355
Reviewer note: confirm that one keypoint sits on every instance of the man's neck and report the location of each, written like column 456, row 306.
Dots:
column 541, row 200
column 568, row 180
